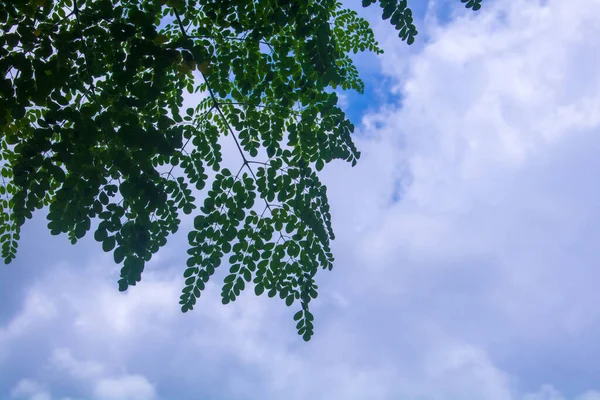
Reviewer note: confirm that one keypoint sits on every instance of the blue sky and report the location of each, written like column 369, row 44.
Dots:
column 479, row 282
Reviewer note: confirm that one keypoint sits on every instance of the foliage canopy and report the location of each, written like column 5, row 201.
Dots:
column 92, row 127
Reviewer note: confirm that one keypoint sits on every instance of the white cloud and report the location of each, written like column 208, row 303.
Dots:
column 492, row 238
column 147, row 307
column 132, row 387
column 64, row 360
column 36, row 308
column 489, row 111
column 343, row 102
column 547, row 392
column 103, row 386
column 480, row 283
column 30, row 390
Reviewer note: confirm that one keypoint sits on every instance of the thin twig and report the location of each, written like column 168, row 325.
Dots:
column 216, row 104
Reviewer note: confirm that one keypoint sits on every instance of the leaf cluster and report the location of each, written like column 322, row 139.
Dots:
column 401, row 16
column 92, row 128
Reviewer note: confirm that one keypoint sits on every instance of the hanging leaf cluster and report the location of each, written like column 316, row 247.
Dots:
column 401, row 16
column 92, row 128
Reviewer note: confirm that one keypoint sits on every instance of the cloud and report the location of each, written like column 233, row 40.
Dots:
column 31, row 390
column 122, row 386
column 492, row 148
column 547, row 392
column 133, row 387
column 64, row 360
column 495, row 139
column 36, row 308
column 466, row 250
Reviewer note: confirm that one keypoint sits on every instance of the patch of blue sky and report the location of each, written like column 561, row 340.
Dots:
column 356, row 105
column 378, row 86
column 444, row 11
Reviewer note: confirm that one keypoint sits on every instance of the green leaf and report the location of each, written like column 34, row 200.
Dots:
column 108, row 244
column 100, row 236
column 123, row 285
column 259, row 289
column 247, row 275
column 107, row 124
column 119, row 255
column 320, row 164
column 79, row 231
column 290, row 227
column 289, row 300
column 189, row 272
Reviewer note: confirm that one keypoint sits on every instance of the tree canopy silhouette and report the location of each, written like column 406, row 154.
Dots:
column 93, row 128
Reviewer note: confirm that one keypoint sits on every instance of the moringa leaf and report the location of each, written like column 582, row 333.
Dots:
column 93, row 125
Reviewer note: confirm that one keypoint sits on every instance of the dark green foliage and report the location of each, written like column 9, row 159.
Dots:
column 475, row 5
column 92, row 127
column 401, row 17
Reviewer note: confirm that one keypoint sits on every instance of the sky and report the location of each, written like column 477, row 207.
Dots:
column 466, row 251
